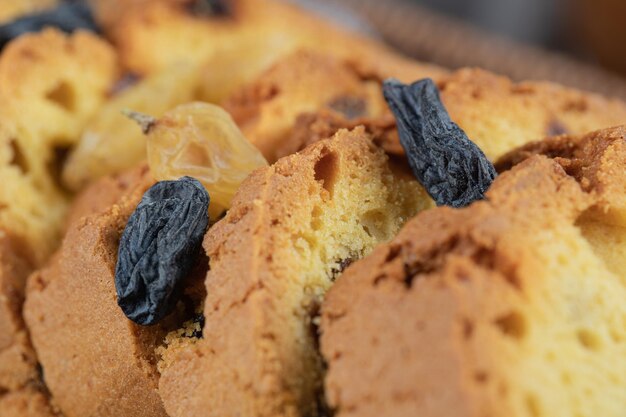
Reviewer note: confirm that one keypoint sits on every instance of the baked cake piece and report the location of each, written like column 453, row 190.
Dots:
column 50, row 84
column 305, row 82
column 74, row 321
column 496, row 113
column 291, row 230
column 513, row 306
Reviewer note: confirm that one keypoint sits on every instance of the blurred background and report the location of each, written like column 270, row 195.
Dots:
column 575, row 42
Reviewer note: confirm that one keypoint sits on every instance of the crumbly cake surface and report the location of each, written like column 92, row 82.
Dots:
column 291, row 229
column 511, row 307
column 76, row 325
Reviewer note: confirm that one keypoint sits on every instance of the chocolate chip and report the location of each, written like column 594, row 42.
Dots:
column 452, row 169
column 159, row 247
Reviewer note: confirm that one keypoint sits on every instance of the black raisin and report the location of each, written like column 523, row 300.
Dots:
column 67, row 17
column 452, row 169
column 159, row 247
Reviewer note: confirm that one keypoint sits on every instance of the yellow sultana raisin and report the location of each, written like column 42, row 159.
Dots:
column 202, row 141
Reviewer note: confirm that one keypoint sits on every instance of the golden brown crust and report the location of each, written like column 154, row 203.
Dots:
column 103, row 193
column 17, row 360
column 78, row 329
column 499, row 115
column 466, row 309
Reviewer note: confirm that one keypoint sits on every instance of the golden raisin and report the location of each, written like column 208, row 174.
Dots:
column 201, row 140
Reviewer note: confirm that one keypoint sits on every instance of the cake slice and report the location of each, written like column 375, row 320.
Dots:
column 22, row 393
column 513, row 306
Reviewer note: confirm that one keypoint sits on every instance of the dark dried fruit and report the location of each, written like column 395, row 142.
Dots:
column 159, row 247
column 66, row 17
column 452, row 169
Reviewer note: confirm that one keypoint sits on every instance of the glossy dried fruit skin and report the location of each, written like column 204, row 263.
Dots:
column 453, row 170
column 159, row 247
column 202, row 141
column 67, row 17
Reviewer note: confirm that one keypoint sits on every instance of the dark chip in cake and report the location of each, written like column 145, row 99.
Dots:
column 451, row 167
